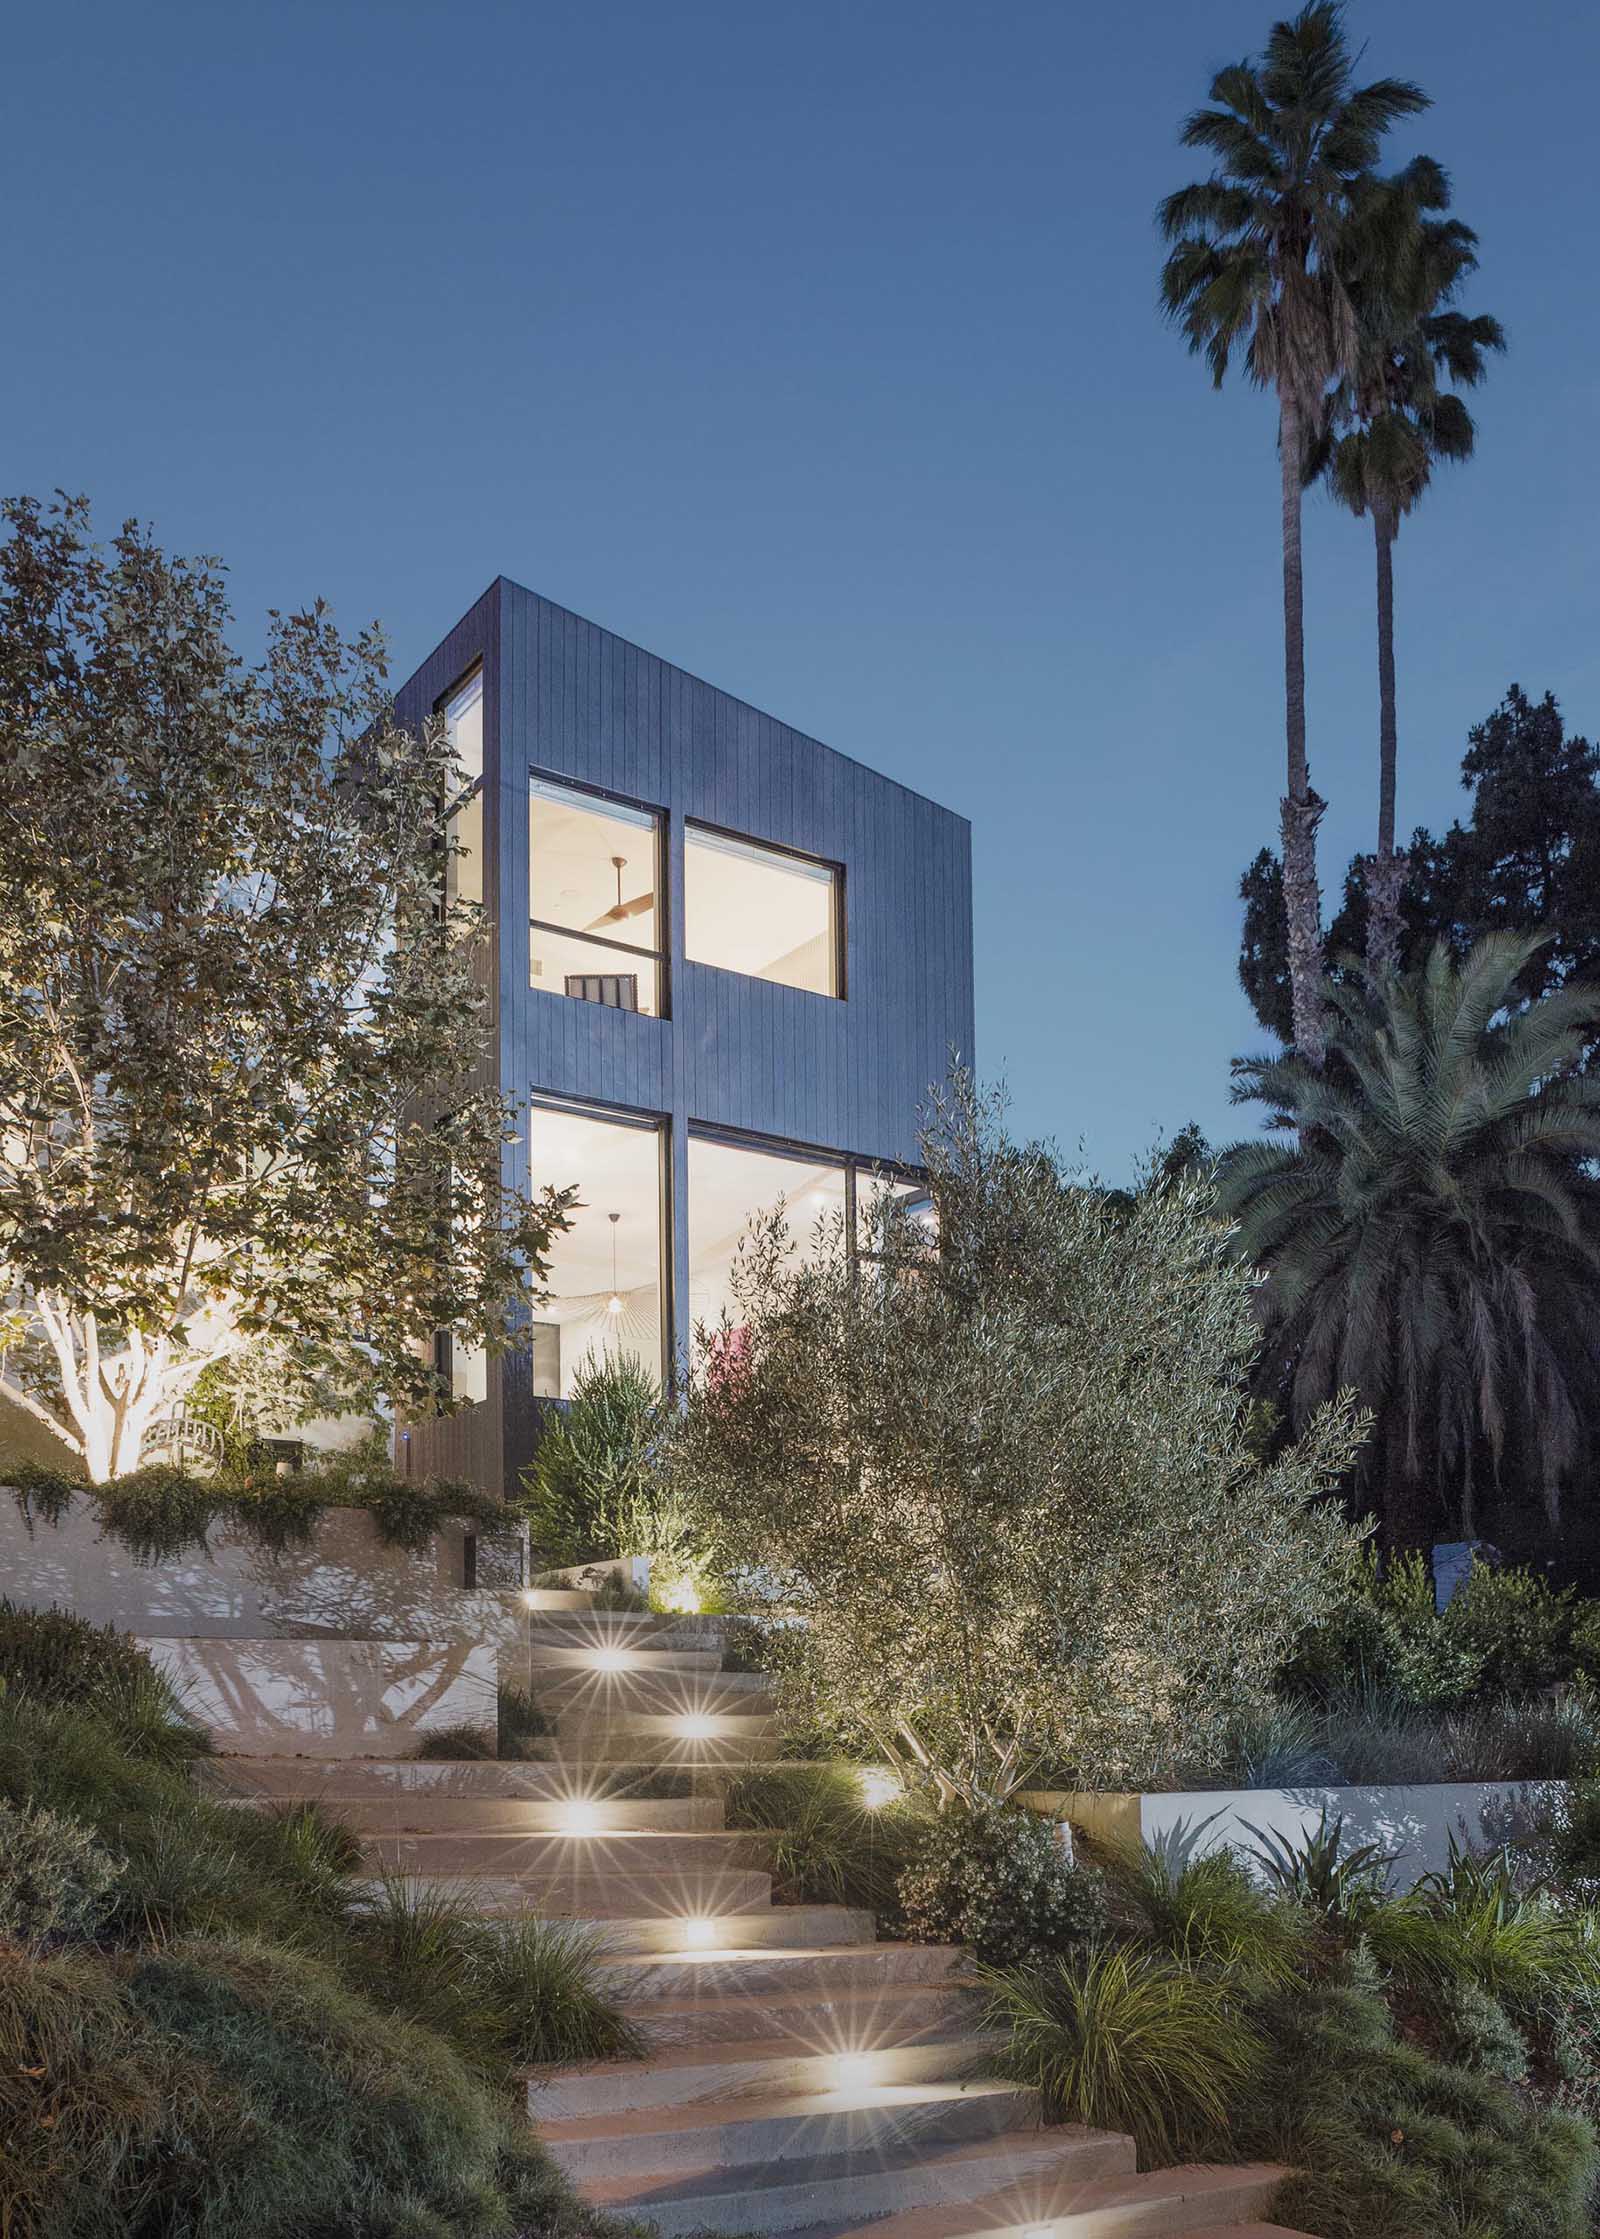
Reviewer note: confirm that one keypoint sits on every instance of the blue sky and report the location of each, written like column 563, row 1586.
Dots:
column 814, row 347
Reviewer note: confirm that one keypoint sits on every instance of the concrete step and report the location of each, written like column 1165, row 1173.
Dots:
column 1156, row 2204
column 606, row 1695
column 334, row 1782
column 639, row 1856
column 648, row 1914
column 846, row 1962
column 546, row 1600
column 689, row 2075
column 811, row 2194
column 622, row 1628
column 722, row 2136
column 601, row 1658
column 566, row 1817
column 724, row 1741
column 1248, row 2231
column 709, row 1932
column 855, row 2014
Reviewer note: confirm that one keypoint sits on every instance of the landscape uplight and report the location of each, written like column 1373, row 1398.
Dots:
column 879, row 1788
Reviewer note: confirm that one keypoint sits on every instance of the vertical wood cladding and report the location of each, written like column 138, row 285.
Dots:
column 571, row 700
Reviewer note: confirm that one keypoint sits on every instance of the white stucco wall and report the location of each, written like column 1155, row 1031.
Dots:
column 329, row 1698
column 347, row 1583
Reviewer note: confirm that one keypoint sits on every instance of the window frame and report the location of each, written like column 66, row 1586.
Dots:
column 644, row 1122
column 660, row 956
column 837, row 913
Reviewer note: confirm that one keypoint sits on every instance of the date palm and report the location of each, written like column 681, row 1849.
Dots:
column 1433, row 1237
column 1395, row 417
column 1257, row 265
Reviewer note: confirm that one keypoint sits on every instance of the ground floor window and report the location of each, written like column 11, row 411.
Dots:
column 606, row 1284
column 731, row 1183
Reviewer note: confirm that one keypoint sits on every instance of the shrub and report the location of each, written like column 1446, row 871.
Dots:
column 1126, row 2040
column 1473, row 1923
column 829, row 1847
column 505, row 1994
column 1390, row 2142
column 230, row 2090
column 589, row 1493
column 1517, row 1627
column 55, row 1879
column 57, row 1657
column 1338, row 1885
column 1203, row 1910
column 998, row 1880
column 1474, row 2031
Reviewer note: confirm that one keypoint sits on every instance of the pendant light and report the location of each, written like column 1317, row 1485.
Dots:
column 614, row 1302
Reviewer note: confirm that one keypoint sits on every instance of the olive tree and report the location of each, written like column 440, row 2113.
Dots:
column 241, row 1037
column 998, row 1467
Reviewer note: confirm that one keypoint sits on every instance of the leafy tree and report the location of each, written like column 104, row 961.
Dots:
column 1259, row 263
column 1391, row 422
column 1527, row 859
column 1431, row 1236
column 238, row 1028
column 1001, row 1473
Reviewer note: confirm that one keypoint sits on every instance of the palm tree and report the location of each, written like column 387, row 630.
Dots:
column 1256, row 263
column 1390, row 423
column 1433, row 1238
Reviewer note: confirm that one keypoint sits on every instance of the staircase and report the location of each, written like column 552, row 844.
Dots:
column 800, row 2077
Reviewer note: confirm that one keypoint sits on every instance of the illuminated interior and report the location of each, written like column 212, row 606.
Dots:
column 729, row 1183
column 594, row 894
column 605, row 1272
column 762, row 912
column 462, row 711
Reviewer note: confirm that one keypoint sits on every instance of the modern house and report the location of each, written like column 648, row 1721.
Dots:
column 727, row 965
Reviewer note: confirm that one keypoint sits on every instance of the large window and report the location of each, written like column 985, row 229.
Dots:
column 728, row 1185
column 760, row 911
column 605, row 1272
column 594, row 886
column 462, row 711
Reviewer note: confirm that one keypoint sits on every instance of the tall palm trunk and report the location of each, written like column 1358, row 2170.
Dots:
column 1387, row 871
column 1301, row 809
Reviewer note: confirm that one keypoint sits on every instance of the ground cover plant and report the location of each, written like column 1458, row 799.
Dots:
column 210, row 2025
column 1425, row 2063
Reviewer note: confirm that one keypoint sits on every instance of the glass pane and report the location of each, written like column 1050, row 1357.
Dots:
column 463, row 721
column 871, row 1192
column 727, row 1185
column 605, row 1273
column 565, row 964
column 469, row 1371
column 592, row 866
column 755, row 910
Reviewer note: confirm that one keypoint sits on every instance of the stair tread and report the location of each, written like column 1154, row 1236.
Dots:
column 961, row 2045
column 1025, row 2202
column 711, row 2114
column 880, row 1999
column 1063, row 2143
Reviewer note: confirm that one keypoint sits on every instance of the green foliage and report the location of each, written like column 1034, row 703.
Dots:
column 519, row 1723
column 590, row 1493
column 162, row 1512
column 55, row 1656
column 229, row 1039
column 224, row 2089
column 1126, row 2040
column 1527, row 857
column 55, row 1879
column 1390, row 2142
column 1338, row 1885
column 1431, row 1231
column 971, row 1473
column 829, row 1847
column 1203, row 1910
column 999, row 1881
column 507, row 1994
column 1476, row 1922
column 1474, row 2031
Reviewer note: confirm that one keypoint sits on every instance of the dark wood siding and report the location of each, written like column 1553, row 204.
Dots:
column 568, row 698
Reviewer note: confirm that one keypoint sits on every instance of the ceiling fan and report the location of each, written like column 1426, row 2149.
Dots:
column 621, row 909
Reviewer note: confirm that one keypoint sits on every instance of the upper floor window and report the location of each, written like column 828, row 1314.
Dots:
column 596, row 922
column 762, row 911
column 462, row 711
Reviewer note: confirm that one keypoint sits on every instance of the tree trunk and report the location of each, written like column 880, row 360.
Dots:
column 1387, row 871
column 1301, row 810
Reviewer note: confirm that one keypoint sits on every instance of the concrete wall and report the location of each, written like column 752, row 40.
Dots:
column 329, row 1698
column 1415, row 1823
column 346, row 1583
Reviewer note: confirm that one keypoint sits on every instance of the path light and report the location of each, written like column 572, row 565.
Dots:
column 697, row 1726
column 699, row 1935
column 681, row 1598
column 853, row 2069
column 579, row 1818
column 879, row 1788
column 610, row 1659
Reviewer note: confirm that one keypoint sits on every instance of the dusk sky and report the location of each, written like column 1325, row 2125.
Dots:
column 815, row 348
